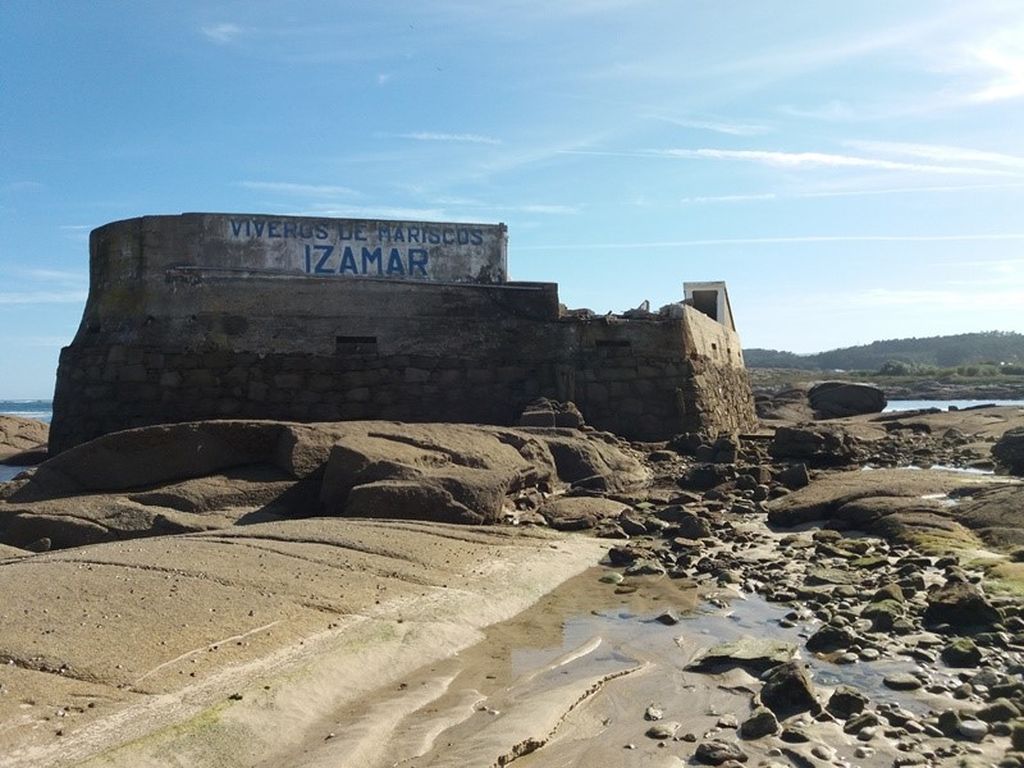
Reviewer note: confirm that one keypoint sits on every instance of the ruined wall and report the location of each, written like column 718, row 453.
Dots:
column 170, row 334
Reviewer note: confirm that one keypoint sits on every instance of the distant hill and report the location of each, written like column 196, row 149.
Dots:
column 936, row 351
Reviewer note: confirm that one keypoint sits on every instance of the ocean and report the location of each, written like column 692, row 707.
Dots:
column 41, row 410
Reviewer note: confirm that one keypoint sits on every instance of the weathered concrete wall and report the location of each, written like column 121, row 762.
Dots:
column 168, row 335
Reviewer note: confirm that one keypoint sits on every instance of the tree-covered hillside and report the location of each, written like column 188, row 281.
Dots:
column 994, row 347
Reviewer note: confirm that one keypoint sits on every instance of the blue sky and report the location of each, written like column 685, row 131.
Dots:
column 854, row 170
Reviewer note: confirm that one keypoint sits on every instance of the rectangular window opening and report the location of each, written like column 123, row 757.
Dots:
column 355, row 345
column 612, row 343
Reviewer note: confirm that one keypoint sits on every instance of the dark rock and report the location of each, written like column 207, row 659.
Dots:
column 835, row 399
column 902, row 681
column 858, row 723
column 829, row 639
column 703, row 477
column 717, row 752
column 963, row 607
column 1009, row 450
column 788, row 691
column 962, row 653
column 762, row 722
column 999, row 711
column 551, row 413
column 794, row 477
column 883, row 614
column 846, row 702
column 819, row 445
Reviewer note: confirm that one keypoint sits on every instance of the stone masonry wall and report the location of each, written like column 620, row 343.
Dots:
column 648, row 397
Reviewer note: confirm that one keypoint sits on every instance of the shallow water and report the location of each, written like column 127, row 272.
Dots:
column 916, row 405
column 7, row 472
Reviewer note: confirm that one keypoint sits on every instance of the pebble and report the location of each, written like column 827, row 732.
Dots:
column 972, row 730
column 663, row 731
column 653, row 714
column 901, row 681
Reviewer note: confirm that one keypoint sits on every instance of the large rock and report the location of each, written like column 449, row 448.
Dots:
column 788, row 691
column 963, row 608
column 817, row 445
column 1009, row 450
column 860, row 499
column 757, row 654
column 835, row 399
column 448, row 472
column 575, row 513
column 193, row 477
column 996, row 515
column 22, row 441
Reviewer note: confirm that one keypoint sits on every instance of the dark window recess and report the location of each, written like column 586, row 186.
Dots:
column 355, row 345
column 612, row 343
column 706, row 302
column 714, row 346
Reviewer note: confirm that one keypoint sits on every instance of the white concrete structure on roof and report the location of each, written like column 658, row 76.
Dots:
column 712, row 299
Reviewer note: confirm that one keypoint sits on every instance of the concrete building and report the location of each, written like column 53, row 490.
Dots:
column 203, row 316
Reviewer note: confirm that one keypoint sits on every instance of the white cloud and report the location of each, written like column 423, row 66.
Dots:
column 1000, row 60
column 222, row 33
column 43, row 297
column 56, row 275
column 462, row 138
column 729, row 198
column 779, row 159
column 931, row 189
column 374, row 212
column 788, row 240
column 545, row 208
column 291, row 188
column 941, row 153
column 717, row 126
column 820, row 160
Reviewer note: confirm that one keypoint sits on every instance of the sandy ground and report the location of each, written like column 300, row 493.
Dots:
column 230, row 649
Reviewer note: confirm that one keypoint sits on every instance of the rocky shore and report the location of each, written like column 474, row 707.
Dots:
column 830, row 593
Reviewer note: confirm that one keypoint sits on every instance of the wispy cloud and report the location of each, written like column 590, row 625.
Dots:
column 55, row 275
column 796, row 160
column 700, row 200
column 999, row 62
column 43, row 297
column 374, row 212
column 717, row 126
column 291, row 188
column 820, row 160
column 944, row 300
column 457, row 138
column 222, row 33
column 930, row 189
column 788, row 240
column 941, row 153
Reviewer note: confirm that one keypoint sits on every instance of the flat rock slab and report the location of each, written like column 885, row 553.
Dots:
column 317, row 610
column 580, row 512
column 18, row 436
column 757, row 654
column 829, row 492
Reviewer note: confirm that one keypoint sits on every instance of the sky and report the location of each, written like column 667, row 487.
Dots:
column 854, row 171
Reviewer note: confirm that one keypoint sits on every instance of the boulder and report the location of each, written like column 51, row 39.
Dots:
column 788, row 691
column 1009, row 450
column 574, row 513
column 551, row 413
column 22, row 441
column 816, row 445
column 962, row 607
column 594, row 459
column 835, row 399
